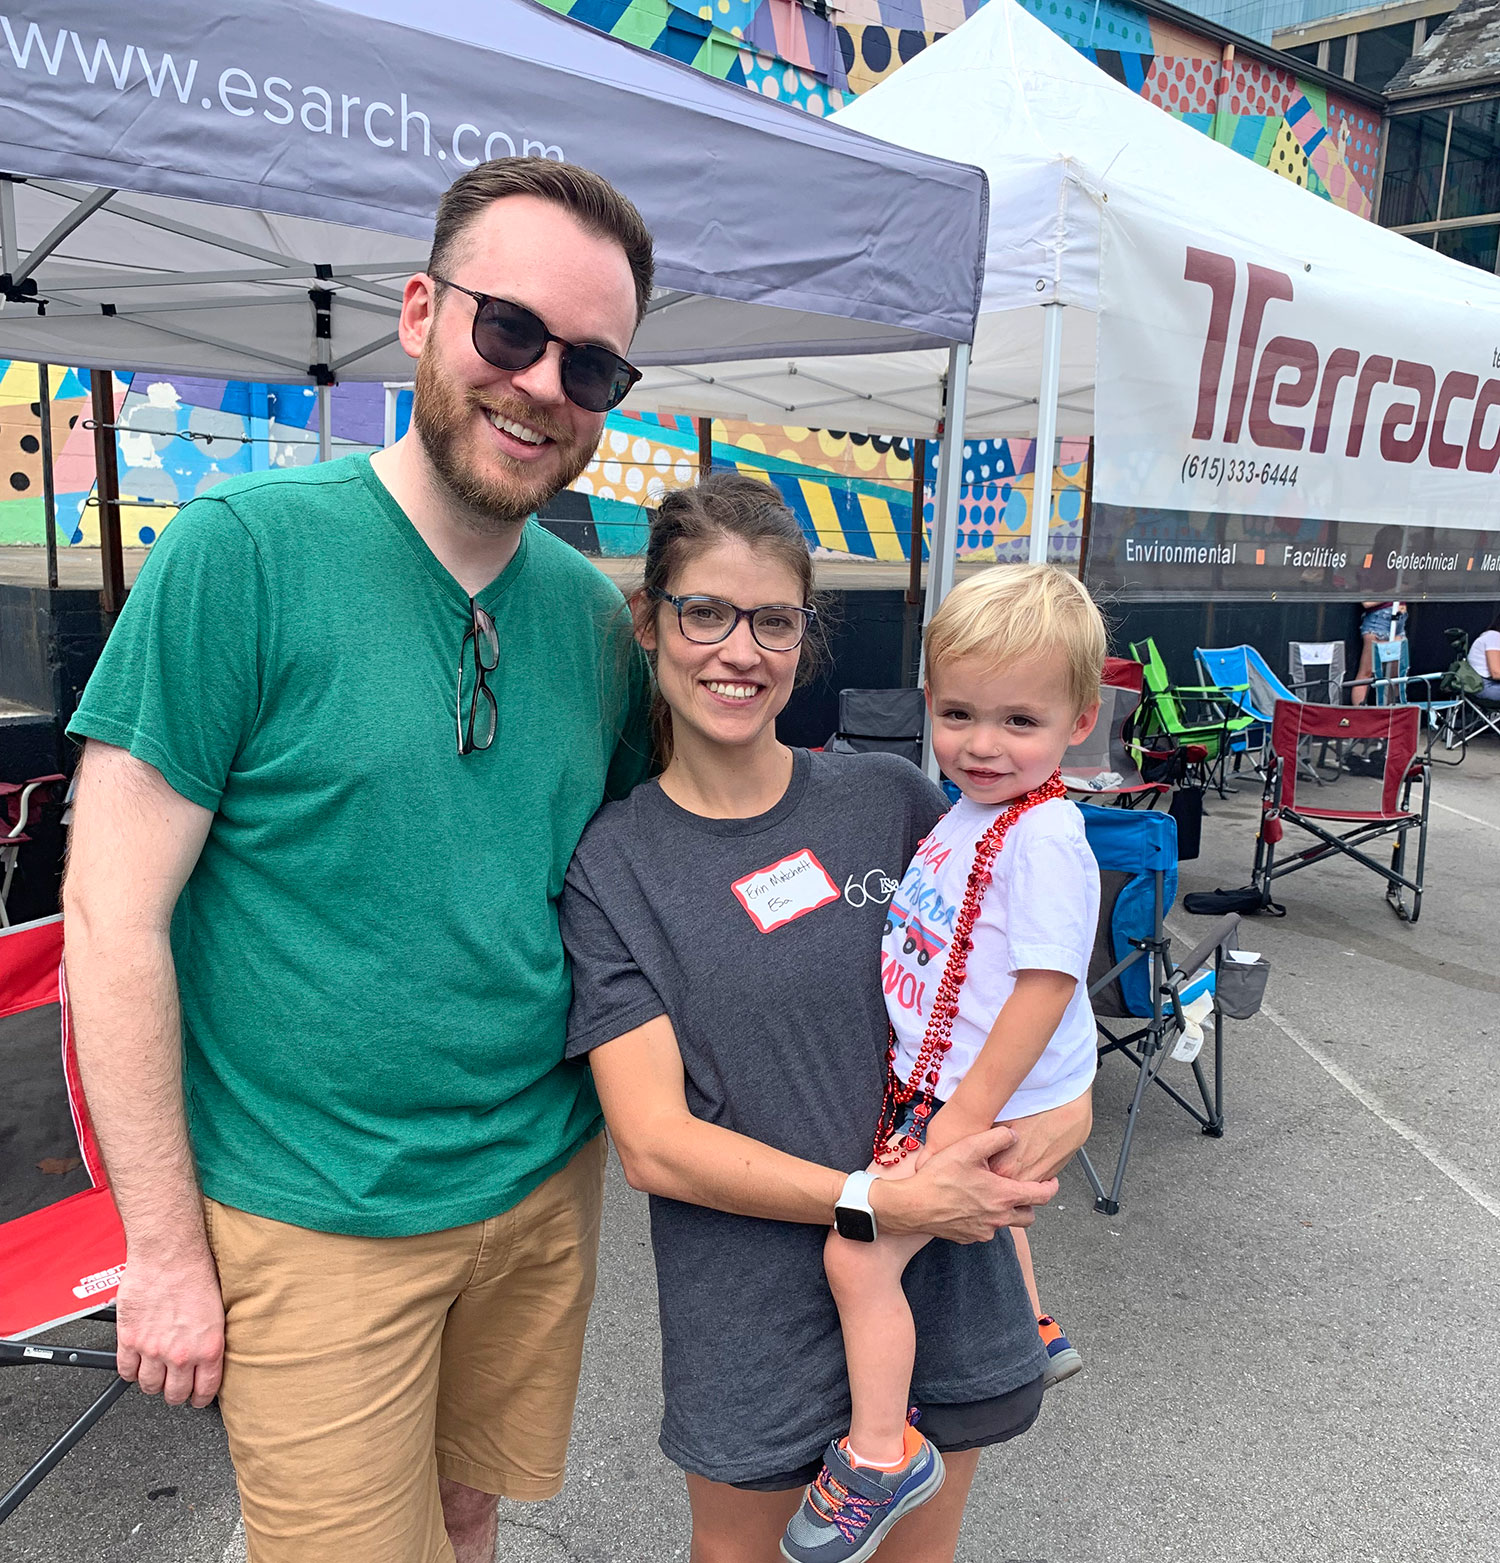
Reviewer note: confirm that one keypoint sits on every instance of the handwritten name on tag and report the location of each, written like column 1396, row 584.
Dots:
column 785, row 891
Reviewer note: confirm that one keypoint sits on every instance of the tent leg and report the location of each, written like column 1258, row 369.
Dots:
column 942, row 543
column 325, row 423
column 49, row 486
column 107, row 489
column 1046, row 432
column 913, row 602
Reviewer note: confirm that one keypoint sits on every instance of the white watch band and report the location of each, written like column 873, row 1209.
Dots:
column 856, row 1190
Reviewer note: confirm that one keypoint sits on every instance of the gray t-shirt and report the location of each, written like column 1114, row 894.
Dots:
column 760, row 938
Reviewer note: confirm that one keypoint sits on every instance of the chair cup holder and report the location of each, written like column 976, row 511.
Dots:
column 1240, row 986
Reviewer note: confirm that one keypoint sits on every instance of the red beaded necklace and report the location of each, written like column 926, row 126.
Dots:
column 938, row 1037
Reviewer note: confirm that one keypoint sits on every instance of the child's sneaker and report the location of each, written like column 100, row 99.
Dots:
column 1063, row 1360
column 847, row 1511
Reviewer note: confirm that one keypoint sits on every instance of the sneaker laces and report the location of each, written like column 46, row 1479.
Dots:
column 848, row 1512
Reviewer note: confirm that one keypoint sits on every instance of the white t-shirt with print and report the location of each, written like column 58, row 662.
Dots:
column 1038, row 913
column 1489, row 641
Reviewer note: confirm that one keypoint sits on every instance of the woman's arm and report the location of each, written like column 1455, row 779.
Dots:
column 666, row 1150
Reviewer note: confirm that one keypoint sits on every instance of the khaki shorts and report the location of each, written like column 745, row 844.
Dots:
column 357, row 1370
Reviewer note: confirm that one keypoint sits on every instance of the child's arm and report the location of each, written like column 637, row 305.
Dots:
column 1019, row 1037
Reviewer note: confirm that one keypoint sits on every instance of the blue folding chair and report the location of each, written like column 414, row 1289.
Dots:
column 1132, row 976
column 1392, row 686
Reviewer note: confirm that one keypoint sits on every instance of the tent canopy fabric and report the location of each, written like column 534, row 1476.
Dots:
column 186, row 180
column 1061, row 141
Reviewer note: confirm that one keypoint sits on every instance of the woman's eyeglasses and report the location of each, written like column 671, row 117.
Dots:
column 708, row 620
column 478, row 715
column 510, row 336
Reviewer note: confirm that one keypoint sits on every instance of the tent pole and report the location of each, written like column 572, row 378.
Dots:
column 913, row 599
column 325, row 423
column 705, row 447
column 49, row 488
column 1088, row 517
column 942, row 542
column 391, row 394
column 107, row 489
column 1046, row 432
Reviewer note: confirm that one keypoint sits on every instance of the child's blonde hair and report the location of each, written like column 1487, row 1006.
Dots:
column 1011, row 612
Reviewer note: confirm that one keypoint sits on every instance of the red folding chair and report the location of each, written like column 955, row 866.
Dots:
column 22, row 802
column 62, row 1248
column 1396, row 730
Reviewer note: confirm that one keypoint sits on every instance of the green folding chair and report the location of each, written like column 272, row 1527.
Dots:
column 1193, row 716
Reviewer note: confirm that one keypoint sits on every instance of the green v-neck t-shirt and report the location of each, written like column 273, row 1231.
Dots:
column 374, row 992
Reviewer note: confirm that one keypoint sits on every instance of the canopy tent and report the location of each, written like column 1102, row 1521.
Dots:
column 1088, row 184
column 240, row 193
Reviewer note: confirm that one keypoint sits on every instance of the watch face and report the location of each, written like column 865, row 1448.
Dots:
column 857, row 1225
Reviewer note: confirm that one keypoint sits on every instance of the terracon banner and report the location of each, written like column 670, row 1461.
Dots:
column 1267, row 426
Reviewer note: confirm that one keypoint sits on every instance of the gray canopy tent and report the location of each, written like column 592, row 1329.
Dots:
column 240, row 191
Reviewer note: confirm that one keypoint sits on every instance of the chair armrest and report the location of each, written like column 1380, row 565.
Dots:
column 1206, row 946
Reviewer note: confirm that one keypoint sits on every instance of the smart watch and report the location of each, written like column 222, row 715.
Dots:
column 852, row 1216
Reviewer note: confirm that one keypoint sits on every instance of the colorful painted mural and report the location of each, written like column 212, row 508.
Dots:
column 852, row 493
column 177, row 438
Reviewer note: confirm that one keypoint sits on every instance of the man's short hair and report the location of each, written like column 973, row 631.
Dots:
column 590, row 197
column 1005, row 615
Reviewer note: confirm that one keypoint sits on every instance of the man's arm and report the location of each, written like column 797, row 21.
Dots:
column 132, row 845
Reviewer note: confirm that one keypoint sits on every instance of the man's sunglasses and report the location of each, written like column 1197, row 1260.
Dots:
column 511, row 337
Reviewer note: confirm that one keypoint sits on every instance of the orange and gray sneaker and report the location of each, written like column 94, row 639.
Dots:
column 1063, row 1360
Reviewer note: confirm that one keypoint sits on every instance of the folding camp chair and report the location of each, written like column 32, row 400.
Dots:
column 1106, row 765
column 1394, row 683
column 1395, row 730
column 1317, row 670
column 1246, row 678
column 1190, row 714
column 889, row 721
column 62, row 1248
column 1132, row 976
column 1475, row 714
column 22, row 801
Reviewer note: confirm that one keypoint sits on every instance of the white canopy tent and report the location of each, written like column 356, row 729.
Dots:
column 1075, row 162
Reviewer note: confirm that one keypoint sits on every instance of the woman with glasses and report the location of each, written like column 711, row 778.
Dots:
column 724, row 923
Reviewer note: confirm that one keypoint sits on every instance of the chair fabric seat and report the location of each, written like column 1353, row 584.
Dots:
column 60, row 1263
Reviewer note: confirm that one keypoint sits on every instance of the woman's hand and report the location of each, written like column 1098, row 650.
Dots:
column 1045, row 1142
column 955, row 1195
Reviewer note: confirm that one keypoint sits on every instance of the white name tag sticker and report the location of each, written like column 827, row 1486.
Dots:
column 785, row 891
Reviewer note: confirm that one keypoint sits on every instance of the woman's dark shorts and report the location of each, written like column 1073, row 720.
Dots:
column 953, row 1428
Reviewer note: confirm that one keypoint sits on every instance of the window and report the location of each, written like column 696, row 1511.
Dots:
column 1306, row 51
column 1380, row 53
column 1472, row 185
column 1476, row 246
column 1413, row 168
column 1337, row 49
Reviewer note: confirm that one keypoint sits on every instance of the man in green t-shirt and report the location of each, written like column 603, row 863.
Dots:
column 340, row 747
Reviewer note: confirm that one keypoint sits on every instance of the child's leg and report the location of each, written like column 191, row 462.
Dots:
column 880, row 1339
column 1028, row 1275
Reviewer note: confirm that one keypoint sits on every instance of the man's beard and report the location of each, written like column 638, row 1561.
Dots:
column 441, row 416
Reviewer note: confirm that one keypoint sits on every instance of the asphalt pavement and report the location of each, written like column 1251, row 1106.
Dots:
column 1290, row 1335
